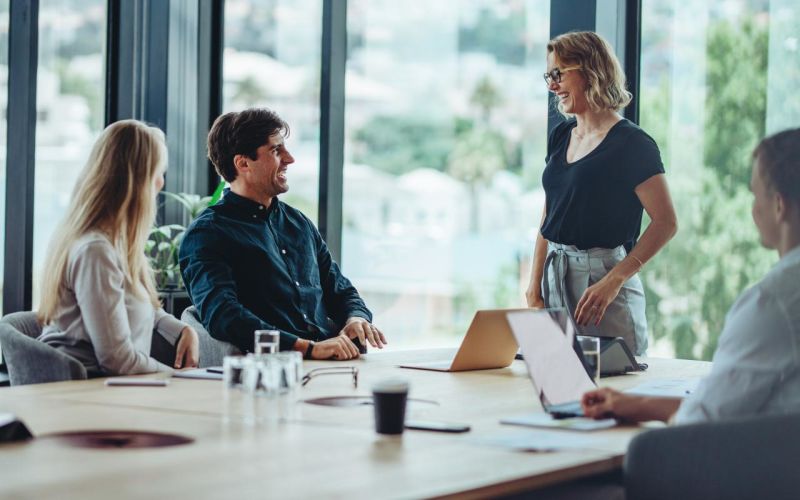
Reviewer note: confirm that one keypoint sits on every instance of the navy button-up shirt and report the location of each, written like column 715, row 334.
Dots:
column 249, row 267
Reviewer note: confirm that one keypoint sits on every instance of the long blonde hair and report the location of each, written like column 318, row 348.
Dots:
column 605, row 79
column 114, row 195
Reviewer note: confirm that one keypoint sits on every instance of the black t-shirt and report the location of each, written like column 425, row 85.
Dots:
column 591, row 202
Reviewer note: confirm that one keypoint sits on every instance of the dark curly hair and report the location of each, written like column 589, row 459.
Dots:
column 241, row 133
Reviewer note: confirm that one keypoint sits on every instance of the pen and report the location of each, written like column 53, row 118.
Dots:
column 214, row 370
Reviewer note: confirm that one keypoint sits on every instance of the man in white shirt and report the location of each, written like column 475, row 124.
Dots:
column 756, row 368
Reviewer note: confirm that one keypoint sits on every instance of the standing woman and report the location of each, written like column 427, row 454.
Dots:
column 98, row 299
column 602, row 170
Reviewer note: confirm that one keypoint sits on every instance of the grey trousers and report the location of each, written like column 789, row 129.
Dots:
column 568, row 272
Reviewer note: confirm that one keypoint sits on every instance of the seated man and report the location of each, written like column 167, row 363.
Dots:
column 251, row 262
column 756, row 368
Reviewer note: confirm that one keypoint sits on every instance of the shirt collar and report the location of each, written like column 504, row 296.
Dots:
column 250, row 208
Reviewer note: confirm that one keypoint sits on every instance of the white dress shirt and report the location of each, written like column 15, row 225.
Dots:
column 99, row 321
column 756, row 369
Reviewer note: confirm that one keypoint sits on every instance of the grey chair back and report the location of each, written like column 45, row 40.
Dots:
column 742, row 459
column 212, row 351
column 32, row 362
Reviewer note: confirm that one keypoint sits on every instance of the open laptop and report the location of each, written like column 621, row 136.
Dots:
column 553, row 358
column 488, row 344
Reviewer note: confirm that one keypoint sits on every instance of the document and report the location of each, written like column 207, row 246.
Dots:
column 545, row 441
column 201, row 373
column 570, row 424
column 665, row 388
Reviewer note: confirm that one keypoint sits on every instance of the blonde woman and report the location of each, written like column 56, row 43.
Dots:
column 602, row 171
column 98, row 298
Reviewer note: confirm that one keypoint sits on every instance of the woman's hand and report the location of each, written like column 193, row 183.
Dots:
column 595, row 300
column 187, row 353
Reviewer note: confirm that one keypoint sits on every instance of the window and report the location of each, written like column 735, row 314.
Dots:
column 446, row 130
column 716, row 77
column 272, row 60
column 4, row 7
column 70, row 109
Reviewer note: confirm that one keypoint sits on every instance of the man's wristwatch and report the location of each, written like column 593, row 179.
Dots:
column 309, row 349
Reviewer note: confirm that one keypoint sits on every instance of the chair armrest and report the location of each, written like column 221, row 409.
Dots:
column 212, row 351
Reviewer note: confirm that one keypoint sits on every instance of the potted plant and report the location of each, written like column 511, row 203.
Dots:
column 164, row 242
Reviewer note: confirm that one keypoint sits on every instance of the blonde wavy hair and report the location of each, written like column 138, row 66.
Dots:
column 605, row 79
column 116, row 196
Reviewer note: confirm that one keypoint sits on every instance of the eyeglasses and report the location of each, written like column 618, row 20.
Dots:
column 557, row 74
column 332, row 370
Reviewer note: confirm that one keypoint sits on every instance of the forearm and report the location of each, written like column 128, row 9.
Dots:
column 537, row 268
column 644, row 409
column 654, row 238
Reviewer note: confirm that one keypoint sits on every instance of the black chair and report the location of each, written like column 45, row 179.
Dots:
column 212, row 351
column 738, row 459
column 32, row 362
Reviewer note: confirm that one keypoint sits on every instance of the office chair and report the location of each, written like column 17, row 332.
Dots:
column 32, row 362
column 212, row 351
column 754, row 457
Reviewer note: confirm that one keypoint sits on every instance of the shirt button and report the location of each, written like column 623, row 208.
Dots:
column 261, row 207
column 283, row 251
column 305, row 316
column 297, row 283
column 254, row 216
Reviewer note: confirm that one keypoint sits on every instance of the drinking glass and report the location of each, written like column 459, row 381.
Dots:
column 591, row 353
column 266, row 341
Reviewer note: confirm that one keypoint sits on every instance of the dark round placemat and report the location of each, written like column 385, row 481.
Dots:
column 117, row 439
column 347, row 401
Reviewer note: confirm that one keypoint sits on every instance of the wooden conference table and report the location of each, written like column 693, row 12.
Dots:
column 320, row 451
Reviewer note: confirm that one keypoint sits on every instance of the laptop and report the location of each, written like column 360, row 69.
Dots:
column 488, row 344
column 553, row 358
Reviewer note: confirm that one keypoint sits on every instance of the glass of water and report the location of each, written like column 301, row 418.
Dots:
column 266, row 341
column 591, row 353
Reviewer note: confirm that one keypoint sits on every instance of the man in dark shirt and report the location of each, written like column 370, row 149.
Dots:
column 251, row 262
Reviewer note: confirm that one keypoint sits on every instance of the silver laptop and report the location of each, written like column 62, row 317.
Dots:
column 554, row 367
column 488, row 344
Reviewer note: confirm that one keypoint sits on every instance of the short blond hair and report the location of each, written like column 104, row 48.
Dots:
column 605, row 79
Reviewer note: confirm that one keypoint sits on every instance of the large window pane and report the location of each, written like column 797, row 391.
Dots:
column 446, row 134
column 4, row 6
column 70, row 109
column 272, row 59
column 716, row 77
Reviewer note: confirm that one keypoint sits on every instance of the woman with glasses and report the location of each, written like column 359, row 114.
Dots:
column 98, row 297
column 602, row 172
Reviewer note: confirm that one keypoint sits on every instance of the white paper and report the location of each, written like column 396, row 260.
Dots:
column 200, row 373
column 666, row 388
column 571, row 424
column 545, row 441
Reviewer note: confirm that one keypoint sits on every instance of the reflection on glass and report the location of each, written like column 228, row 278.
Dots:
column 714, row 81
column 69, row 107
column 445, row 142
column 272, row 59
column 4, row 5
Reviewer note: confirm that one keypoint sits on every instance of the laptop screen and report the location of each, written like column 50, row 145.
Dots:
column 558, row 375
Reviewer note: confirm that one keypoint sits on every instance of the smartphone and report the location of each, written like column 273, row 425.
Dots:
column 432, row 425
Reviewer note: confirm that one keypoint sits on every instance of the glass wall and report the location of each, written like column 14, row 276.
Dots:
column 446, row 129
column 4, row 6
column 70, row 109
column 716, row 76
column 272, row 59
